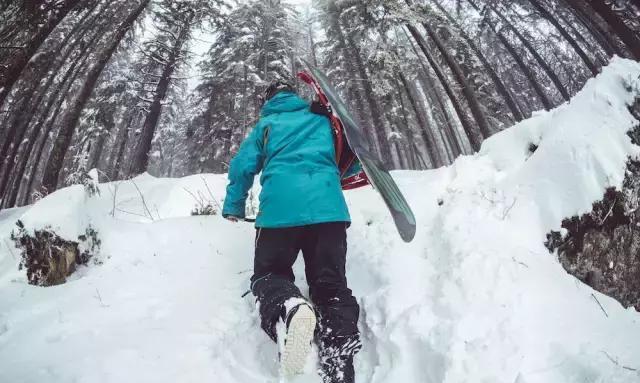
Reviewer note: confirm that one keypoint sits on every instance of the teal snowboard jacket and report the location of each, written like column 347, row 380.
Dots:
column 294, row 149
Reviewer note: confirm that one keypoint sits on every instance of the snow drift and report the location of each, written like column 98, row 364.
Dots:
column 475, row 298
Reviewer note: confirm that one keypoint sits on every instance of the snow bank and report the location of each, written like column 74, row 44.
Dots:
column 475, row 298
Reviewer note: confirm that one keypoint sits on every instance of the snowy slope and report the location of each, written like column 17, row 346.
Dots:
column 475, row 298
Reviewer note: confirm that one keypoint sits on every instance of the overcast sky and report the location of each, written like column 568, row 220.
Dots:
column 299, row 2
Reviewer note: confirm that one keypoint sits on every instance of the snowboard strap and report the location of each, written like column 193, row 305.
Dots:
column 345, row 157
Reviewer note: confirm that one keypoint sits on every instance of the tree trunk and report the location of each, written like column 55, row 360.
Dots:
column 10, row 72
column 423, row 126
column 353, row 91
column 619, row 27
column 119, row 147
column 474, row 136
column 500, row 86
column 549, row 17
column 378, row 127
column 572, row 24
column 427, row 84
column 67, row 126
column 96, row 152
column 534, row 52
column 467, row 90
column 141, row 154
column 526, row 70
column 378, row 123
column 602, row 36
column 58, row 98
column 408, row 133
column 27, row 113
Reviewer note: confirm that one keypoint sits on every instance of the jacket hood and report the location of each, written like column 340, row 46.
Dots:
column 283, row 102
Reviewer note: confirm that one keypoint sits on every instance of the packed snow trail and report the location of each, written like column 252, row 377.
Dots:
column 475, row 297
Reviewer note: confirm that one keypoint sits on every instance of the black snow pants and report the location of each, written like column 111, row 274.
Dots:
column 324, row 248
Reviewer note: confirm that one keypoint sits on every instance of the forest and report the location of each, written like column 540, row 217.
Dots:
column 173, row 86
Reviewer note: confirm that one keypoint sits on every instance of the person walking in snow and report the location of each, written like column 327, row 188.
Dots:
column 302, row 208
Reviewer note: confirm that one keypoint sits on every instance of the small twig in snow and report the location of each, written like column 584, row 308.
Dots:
column 506, row 212
column 113, row 190
column 198, row 199
column 520, row 262
column 100, row 299
column 614, row 361
column 211, row 193
column 144, row 203
column 114, row 194
column 610, row 211
column 484, row 197
column 601, row 308
column 132, row 213
column 9, row 248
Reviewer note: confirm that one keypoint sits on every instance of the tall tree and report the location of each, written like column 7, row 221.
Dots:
column 627, row 35
column 34, row 22
column 175, row 21
column 70, row 120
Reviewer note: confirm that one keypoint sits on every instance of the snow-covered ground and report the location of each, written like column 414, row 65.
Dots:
column 475, row 297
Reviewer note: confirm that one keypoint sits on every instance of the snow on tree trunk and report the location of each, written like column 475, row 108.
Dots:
column 10, row 71
column 68, row 124
column 141, row 153
column 626, row 34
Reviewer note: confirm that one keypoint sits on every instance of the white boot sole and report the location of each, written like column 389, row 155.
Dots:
column 297, row 343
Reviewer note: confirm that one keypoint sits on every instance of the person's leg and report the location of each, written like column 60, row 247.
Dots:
column 272, row 281
column 324, row 248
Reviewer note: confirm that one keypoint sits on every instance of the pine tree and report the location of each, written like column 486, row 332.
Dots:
column 167, row 52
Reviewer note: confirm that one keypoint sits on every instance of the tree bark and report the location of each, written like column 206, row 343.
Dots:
column 378, row 126
column 28, row 112
column 500, row 86
column 117, row 155
column 534, row 52
column 45, row 125
column 10, row 72
column 141, row 154
column 424, row 127
column 574, row 44
column 427, row 84
column 602, row 36
column 67, row 126
column 408, row 133
column 353, row 91
column 528, row 73
column 619, row 27
column 474, row 136
column 469, row 94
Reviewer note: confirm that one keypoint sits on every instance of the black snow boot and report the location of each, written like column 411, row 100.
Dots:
column 336, row 358
column 338, row 369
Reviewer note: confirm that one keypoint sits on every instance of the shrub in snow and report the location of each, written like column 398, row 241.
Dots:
column 204, row 209
column 88, row 179
column 48, row 258
column 602, row 247
column 204, row 205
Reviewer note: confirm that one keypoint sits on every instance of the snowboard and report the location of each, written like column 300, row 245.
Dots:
column 357, row 163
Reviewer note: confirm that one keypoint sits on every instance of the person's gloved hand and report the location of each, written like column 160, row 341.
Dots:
column 318, row 108
column 232, row 218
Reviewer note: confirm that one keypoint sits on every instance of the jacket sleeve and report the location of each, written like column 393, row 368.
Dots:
column 242, row 170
